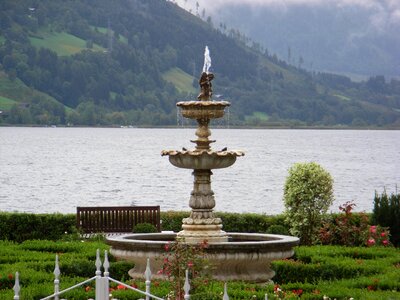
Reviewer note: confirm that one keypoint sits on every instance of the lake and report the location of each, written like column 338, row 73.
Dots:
column 45, row 170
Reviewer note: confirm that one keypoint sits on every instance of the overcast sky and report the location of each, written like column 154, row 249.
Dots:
column 382, row 11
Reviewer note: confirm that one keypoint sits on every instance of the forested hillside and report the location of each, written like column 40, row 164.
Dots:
column 127, row 62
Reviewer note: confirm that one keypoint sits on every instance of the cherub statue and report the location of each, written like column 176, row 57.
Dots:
column 205, row 86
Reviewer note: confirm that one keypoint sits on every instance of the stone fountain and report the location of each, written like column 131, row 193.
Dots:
column 202, row 224
column 236, row 256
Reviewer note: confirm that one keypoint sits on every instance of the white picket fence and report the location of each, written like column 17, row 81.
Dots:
column 102, row 283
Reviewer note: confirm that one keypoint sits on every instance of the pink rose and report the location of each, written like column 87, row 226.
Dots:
column 385, row 242
column 371, row 242
column 372, row 229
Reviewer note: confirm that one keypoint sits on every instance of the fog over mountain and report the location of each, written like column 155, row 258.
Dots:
column 357, row 37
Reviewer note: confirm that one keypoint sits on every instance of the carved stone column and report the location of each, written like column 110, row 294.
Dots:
column 202, row 224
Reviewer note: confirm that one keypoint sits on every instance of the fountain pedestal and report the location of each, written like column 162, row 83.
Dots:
column 202, row 224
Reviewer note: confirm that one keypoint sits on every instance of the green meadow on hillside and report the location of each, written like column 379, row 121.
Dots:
column 14, row 91
column 257, row 116
column 6, row 103
column 181, row 80
column 61, row 42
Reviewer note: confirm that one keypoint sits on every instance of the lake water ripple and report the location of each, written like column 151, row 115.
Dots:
column 46, row 170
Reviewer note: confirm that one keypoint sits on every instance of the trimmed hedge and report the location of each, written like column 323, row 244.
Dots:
column 19, row 227
column 144, row 228
column 340, row 272
column 172, row 220
column 27, row 226
column 232, row 222
column 375, row 272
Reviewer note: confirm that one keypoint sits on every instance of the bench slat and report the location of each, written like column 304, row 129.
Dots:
column 98, row 219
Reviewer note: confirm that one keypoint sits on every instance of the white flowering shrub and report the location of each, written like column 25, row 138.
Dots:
column 308, row 194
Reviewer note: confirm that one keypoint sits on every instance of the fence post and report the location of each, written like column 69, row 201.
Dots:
column 16, row 286
column 266, row 296
column 186, row 286
column 106, row 264
column 56, row 278
column 147, row 275
column 101, row 289
column 106, row 281
column 225, row 297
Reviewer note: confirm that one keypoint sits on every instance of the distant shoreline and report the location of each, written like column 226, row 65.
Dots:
column 337, row 127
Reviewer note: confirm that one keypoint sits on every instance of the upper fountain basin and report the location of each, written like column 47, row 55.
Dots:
column 203, row 109
column 203, row 159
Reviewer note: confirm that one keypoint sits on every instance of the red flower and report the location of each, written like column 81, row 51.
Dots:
column 88, row 288
column 134, row 285
column 371, row 242
column 298, row 292
column 372, row 229
column 121, row 287
column 383, row 234
column 190, row 264
column 166, row 247
column 385, row 242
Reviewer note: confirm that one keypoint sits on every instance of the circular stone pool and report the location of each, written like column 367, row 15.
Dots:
column 246, row 256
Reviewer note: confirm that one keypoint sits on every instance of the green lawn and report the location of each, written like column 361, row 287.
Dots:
column 181, row 80
column 61, row 42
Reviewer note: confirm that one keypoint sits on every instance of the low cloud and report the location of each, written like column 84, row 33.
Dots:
column 390, row 4
column 383, row 13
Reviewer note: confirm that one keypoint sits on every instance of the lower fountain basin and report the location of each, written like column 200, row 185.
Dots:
column 246, row 256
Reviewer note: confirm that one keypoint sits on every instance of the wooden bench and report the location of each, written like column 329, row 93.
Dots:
column 115, row 218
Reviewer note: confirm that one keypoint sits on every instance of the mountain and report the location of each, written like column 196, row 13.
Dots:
column 127, row 62
column 348, row 37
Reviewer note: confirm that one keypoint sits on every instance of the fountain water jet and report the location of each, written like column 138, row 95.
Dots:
column 239, row 256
